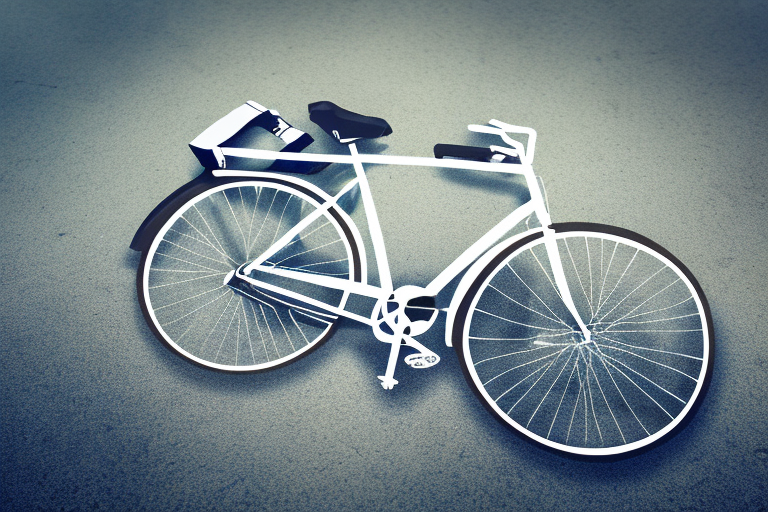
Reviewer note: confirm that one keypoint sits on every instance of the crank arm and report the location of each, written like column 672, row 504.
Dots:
column 388, row 379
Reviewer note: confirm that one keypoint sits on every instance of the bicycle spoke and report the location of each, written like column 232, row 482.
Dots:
column 526, row 307
column 651, row 361
column 266, row 216
column 578, row 397
column 603, row 337
column 576, row 271
column 245, row 244
column 537, row 380
column 320, row 263
column 654, row 330
column 600, row 387
column 521, row 365
column 211, row 231
column 511, row 354
column 237, row 306
column 656, row 320
column 617, row 282
column 534, row 372
column 237, row 339
column 185, row 281
column 589, row 266
column 187, row 262
column 297, row 326
column 280, row 222
column 538, row 336
column 198, row 309
column 202, row 347
column 592, row 404
column 250, row 224
column 536, row 295
column 247, row 329
column 208, row 241
column 646, row 378
column 192, row 252
column 293, row 349
column 638, row 387
column 546, row 274
column 306, row 235
column 550, row 387
column 190, row 298
column 689, row 299
column 605, row 276
column 630, row 293
column 194, row 239
column 518, row 323
column 269, row 329
column 308, row 251
column 567, row 385
column 649, row 299
column 175, row 270
column 261, row 335
column 622, row 395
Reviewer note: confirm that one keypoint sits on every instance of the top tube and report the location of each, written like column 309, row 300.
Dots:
column 262, row 154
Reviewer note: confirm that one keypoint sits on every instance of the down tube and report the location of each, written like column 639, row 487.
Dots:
column 479, row 247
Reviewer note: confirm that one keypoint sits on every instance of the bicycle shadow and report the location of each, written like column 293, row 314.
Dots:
column 354, row 344
column 371, row 355
column 491, row 183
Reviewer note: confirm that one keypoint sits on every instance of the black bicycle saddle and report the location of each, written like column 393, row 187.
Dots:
column 344, row 125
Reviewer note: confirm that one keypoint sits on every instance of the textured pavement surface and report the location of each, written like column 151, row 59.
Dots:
column 651, row 116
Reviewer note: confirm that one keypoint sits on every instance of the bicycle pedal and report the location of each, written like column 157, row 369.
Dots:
column 422, row 360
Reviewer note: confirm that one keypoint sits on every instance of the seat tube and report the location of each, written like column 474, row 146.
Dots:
column 385, row 278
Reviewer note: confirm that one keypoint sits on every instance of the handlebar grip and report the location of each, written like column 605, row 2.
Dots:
column 492, row 154
column 463, row 152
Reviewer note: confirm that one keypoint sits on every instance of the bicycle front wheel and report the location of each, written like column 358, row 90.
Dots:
column 181, row 276
column 635, row 382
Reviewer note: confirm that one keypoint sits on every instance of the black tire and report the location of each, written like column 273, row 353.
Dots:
column 635, row 384
column 181, row 273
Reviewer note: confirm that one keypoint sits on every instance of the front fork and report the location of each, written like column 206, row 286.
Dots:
column 550, row 242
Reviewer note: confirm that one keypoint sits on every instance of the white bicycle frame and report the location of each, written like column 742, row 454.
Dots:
column 536, row 206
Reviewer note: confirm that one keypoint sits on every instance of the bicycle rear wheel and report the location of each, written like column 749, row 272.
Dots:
column 642, row 374
column 181, row 276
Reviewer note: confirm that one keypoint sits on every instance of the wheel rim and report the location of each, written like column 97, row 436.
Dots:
column 217, row 231
column 631, row 385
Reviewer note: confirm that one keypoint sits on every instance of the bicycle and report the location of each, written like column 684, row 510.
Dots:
column 587, row 339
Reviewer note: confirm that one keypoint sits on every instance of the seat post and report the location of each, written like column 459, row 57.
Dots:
column 385, row 278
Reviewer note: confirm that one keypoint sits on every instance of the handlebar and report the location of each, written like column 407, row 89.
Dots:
column 501, row 129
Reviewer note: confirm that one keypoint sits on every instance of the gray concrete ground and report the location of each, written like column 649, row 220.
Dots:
column 651, row 116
